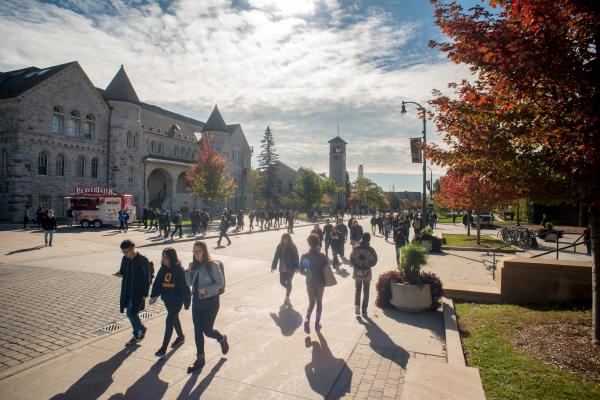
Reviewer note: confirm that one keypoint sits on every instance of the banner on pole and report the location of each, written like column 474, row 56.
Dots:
column 415, row 151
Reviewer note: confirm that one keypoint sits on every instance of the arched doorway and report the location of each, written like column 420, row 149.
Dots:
column 160, row 187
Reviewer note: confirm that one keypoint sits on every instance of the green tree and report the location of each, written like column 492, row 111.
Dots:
column 208, row 177
column 368, row 193
column 267, row 164
column 308, row 188
column 257, row 182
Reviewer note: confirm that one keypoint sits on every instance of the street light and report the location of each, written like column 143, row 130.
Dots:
column 424, row 199
column 430, row 183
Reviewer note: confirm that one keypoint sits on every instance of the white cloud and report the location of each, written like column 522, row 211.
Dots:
column 270, row 62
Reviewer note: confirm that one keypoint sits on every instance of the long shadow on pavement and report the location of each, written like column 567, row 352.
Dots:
column 323, row 370
column 99, row 378
column 24, row 250
column 382, row 344
column 149, row 385
column 187, row 392
column 288, row 319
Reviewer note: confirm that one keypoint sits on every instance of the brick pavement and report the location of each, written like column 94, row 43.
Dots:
column 45, row 309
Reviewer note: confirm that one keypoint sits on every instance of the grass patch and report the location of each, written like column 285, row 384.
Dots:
column 463, row 240
column 449, row 219
column 508, row 373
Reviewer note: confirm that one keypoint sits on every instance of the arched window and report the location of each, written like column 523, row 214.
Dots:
column 90, row 126
column 74, row 122
column 42, row 163
column 81, row 166
column 94, row 167
column 129, row 139
column 131, row 178
column 160, row 148
column 152, row 147
column 60, row 165
column 135, row 140
column 58, row 120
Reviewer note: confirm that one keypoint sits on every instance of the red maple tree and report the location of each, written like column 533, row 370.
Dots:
column 531, row 116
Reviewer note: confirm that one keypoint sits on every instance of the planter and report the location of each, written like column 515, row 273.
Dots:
column 412, row 298
column 428, row 244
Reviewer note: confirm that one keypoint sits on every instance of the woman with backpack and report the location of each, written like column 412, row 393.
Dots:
column 206, row 279
column 362, row 258
column 171, row 286
column 286, row 255
column 313, row 265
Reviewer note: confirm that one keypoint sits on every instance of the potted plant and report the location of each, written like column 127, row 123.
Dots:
column 427, row 238
column 408, row 288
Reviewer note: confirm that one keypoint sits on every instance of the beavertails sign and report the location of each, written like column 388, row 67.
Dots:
column 95, row 190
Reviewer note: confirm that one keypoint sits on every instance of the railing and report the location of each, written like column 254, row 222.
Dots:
column 557, row 250
column 493, row 267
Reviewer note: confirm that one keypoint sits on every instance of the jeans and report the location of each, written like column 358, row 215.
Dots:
column 177, row 228
column 285, row 278
column 327, row 244
column 172, row 321
column 223, row 234
column 48, row 236
column 134, row 318
column 315, row 295
column 167, row 230
column 204, row 313
column 363, row 286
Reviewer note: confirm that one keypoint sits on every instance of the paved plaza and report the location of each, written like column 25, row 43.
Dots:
column 57, row 300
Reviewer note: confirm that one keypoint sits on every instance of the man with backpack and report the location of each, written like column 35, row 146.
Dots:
column 223, row 227
column 362, row 259
column 136, row 273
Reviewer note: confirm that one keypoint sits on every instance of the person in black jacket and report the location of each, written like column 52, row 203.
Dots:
column 49, row 226
column 171, row 286
column 286, row 255
column 136, row 274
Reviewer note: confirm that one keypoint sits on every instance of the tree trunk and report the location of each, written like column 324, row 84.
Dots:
column 468, row 223
column 595, row 228
column 478, row 227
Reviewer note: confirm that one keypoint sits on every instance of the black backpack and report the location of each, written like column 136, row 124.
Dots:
column 222, row 268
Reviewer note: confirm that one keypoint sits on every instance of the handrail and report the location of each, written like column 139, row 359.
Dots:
column 574, row 245
column 494, row 258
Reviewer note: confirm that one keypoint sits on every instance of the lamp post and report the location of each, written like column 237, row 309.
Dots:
column 424, row 197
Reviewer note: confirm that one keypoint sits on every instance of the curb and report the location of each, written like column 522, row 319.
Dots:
column 483, row 249
column 454, row 350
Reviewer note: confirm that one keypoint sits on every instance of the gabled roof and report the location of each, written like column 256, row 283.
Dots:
column 215, row 122
column 121, row 89
column 14, row 83
column 337, row 139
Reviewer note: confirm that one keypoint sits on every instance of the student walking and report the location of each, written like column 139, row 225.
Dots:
column 49, row 226
column 171, row 286
column 312, row 264
column 336, row 242
column 178, row 221
column 223, row 227
column 356, row 232
column 121, row 216
column 327, row 235
column 319, row 232
column 286, row 255
column 205, row 277
column 136, row 274
column 362, row 259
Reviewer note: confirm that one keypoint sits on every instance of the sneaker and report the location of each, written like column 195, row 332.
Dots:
column 307, row 327
column 142, row 333
column 132, row 341
column 178, row 341
column 357, row 310
column 161, row 352
column 199, row 363
column 224, row 345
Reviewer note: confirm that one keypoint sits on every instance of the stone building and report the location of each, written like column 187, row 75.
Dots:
column 287, row 176
column 337, row 168
column 58, row 131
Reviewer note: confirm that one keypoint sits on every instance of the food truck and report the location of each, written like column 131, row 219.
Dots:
column 95, row 206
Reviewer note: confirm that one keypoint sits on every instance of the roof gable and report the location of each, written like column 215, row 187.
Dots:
column 121, row 89
column 14, row 83
column 337, row 139
column 215, row 122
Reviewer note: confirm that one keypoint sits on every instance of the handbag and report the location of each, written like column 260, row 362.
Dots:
column 328, row 276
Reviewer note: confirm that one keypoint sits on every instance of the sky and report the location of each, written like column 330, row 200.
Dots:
column 300, row 66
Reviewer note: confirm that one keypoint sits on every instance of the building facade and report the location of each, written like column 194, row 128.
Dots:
column 337, row 168
column 58, row 131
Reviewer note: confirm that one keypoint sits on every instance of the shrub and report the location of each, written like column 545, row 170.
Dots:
column 414, row 256
column 437, row 291
column 384, row 287
column 549, row 226
column 426, row 232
